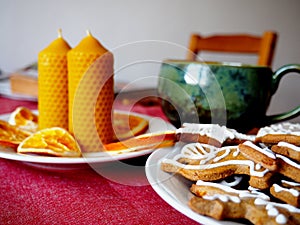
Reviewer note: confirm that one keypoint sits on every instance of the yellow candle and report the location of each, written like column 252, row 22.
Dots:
column 91, row 94
column 53, row 84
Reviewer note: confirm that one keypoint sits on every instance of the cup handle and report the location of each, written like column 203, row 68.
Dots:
column 276, row 79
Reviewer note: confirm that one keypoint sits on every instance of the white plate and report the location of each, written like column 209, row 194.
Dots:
column 93, row 159
column 174, row 189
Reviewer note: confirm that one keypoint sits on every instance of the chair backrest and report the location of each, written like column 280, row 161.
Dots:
column 263, row 46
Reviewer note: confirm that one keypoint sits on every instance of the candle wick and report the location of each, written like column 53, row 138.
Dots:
column 88, row 32
column 59, row 33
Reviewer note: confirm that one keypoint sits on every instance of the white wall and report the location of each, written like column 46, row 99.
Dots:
column 125, row 27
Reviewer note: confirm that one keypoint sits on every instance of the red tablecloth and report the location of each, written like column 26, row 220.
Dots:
column 36, row 196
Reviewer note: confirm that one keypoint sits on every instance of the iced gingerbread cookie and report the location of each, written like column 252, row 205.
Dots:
column 288, row 150
column 287, row 132
column 205, row 162
column 288, row 167
column 263, row 156
column 223, row 202
column 275, row 162
column 287, row 191
column 212, row 134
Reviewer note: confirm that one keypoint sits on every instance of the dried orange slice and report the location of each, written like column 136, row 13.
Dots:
column 143, row 142
column 128, row 125
column 54, row 141
column 24, row 119
column 10, row 135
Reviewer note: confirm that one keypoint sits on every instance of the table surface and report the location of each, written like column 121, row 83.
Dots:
column 35, row 196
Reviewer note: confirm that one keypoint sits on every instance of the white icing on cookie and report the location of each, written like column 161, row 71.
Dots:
column 288, row 145
column 215, row 131
column 241, row 136
column 236, row 180
column 292, row 191
column 266, row 151
column 290, row 183
column 281, row 128
column 223, row 198
column 288, row 161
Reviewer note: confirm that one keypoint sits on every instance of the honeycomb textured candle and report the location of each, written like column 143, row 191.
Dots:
column 53, row 85
column 91, row 94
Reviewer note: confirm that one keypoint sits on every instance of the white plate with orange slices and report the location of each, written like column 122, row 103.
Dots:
column 63, row 158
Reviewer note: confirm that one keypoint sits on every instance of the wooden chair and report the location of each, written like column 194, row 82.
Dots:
column 263, row 46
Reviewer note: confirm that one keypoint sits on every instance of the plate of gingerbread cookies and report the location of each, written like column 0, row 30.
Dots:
column 255, row 181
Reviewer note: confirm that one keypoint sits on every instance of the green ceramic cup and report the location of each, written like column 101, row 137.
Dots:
column 230, row 94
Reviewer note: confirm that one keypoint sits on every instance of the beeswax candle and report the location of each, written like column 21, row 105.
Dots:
column 91, row 94
column 53, row 84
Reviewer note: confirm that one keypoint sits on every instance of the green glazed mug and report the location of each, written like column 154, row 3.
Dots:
column 231, row 94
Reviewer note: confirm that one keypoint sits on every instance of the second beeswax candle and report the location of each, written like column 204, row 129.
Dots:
column 91, row 94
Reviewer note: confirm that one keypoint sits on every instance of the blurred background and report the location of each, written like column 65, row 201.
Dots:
column 143, row 33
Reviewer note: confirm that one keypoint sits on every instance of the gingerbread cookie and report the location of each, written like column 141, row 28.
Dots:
column 223, row 202
column 212, row 134
column 223, row 171
column 205, row 162
column 288, row 168
column 263, row 156
column 287, row 132
column 288, row 192
column 288, row 150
